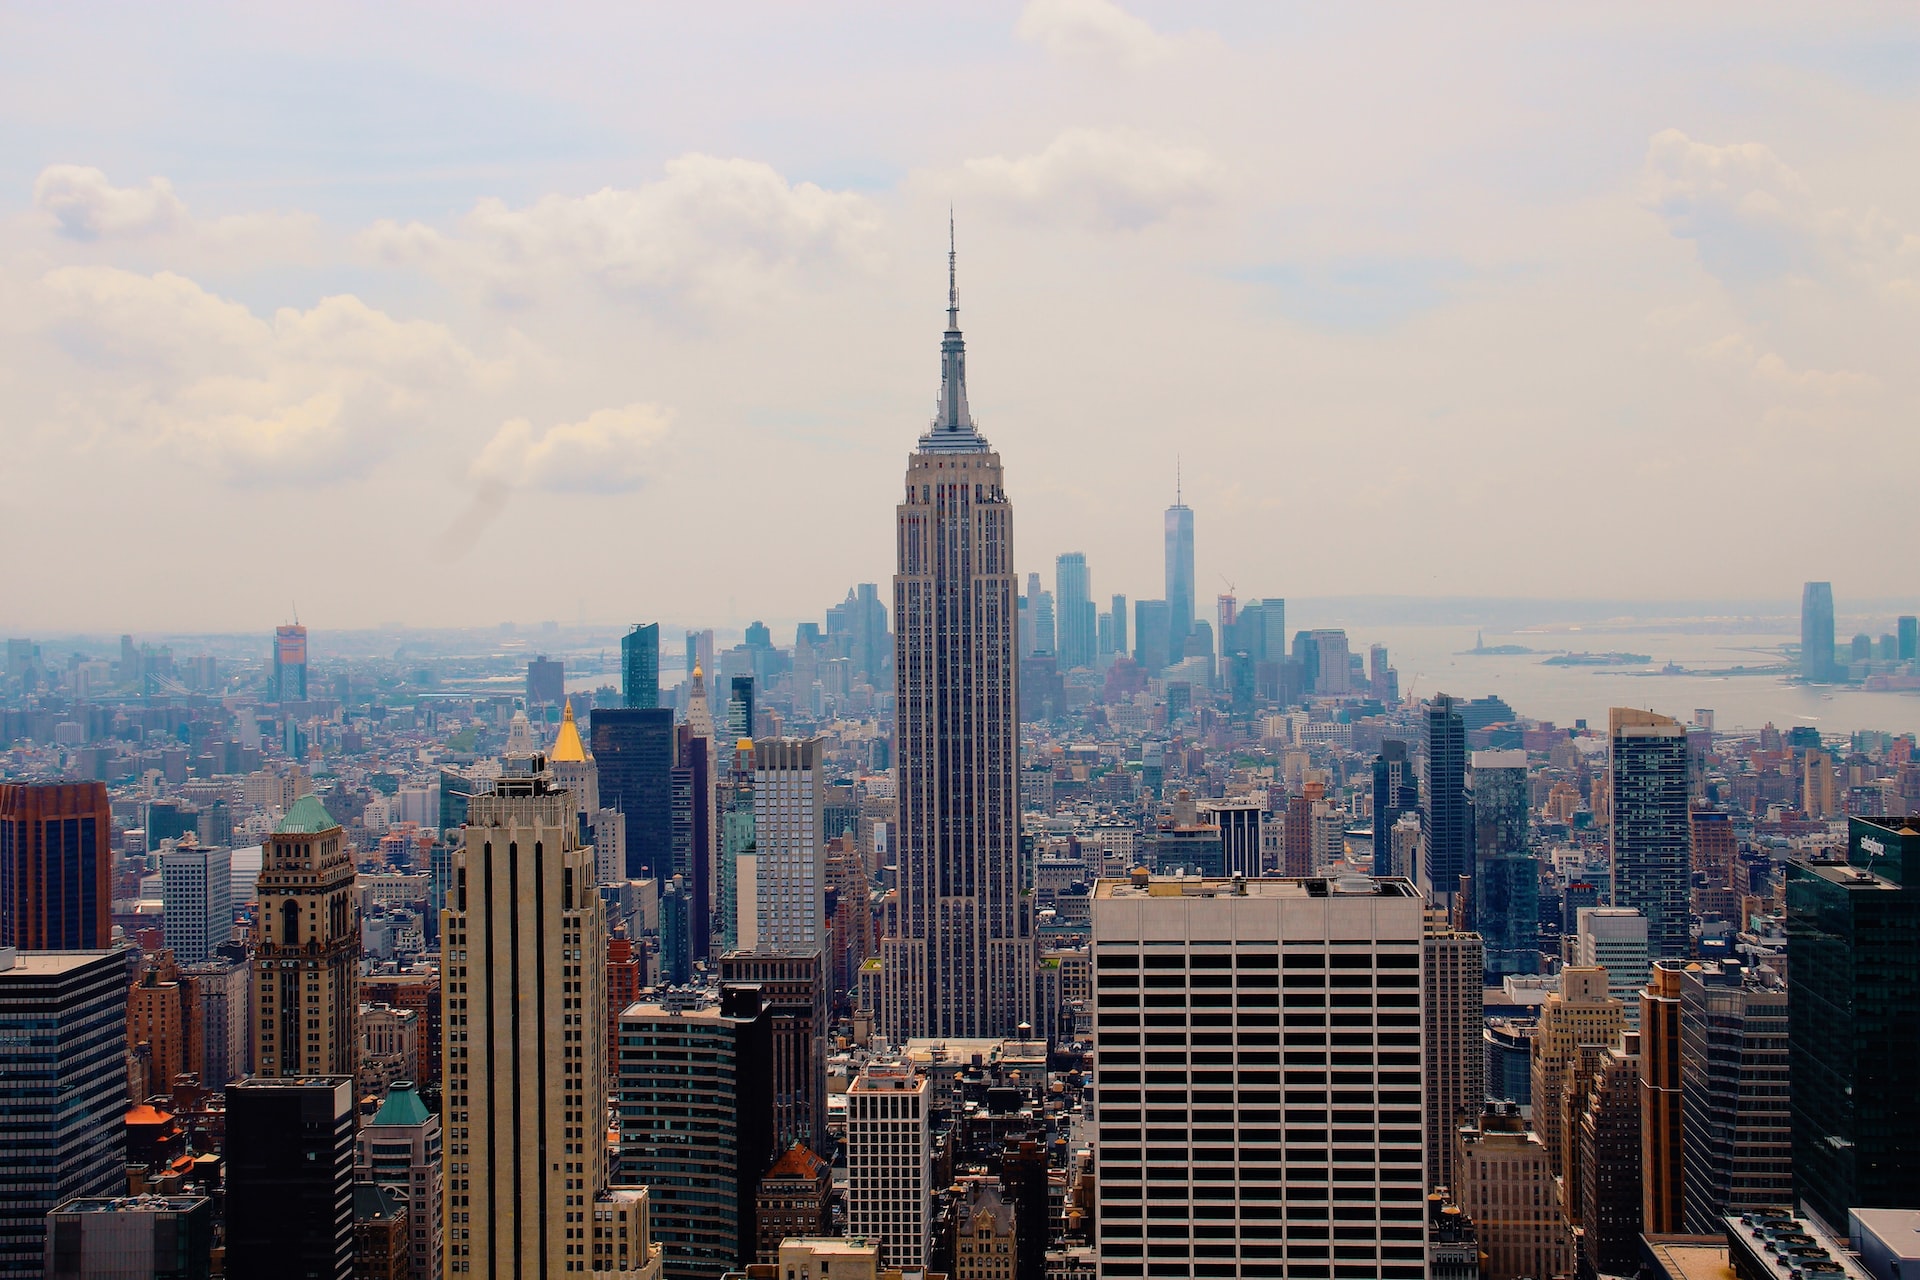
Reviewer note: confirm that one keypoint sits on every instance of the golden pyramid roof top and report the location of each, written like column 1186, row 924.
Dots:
column 566, row 744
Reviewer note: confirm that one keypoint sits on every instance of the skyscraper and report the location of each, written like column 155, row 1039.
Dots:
column 55, row 868
column 1120, row 624
column 640, row 665
column 303, row 969
column 1580, row 1015
column 693, row 822
column 1816, row 632
column 1191, row 983
column 196, row 893
column 890, row 1162
column 1151, row 630
column 1506, row 877
column 400, row 1147
column 1907, row 645
column 1179, row 571
column 793, row 991
column 523, row 944
column 1662, row 1120
column 1453, row 972
column 1073, row 603
column 1735, row 1092
column 790, row 906
column 633, row 754
column 963, row 961
column 1853, row 1017
column 63, row 1091
column 1395, row 791
column 290, row 663
column 1446, row 820
column 1649, row 836
column 289, row 1178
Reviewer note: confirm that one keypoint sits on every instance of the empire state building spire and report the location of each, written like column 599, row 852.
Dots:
column 952, row 426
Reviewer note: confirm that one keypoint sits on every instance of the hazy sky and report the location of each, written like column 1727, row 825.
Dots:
column 453, row 314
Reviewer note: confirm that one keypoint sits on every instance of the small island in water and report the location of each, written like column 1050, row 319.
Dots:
column 1598, row 660
column 1481, row 649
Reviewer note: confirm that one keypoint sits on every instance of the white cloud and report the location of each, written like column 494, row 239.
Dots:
column 84, row 205
column 609, row 452
column 1101, row 177
column 712, row 232
column 81, row 203
column 1753, row 218
column 1095, row 31
column 161, row 365
column 1771, row 370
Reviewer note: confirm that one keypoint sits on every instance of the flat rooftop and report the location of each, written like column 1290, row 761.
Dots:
column 1281, row 888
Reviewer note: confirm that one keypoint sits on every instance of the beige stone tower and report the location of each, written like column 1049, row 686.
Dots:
column 303, row 970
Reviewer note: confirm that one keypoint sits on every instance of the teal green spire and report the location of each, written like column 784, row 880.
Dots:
column 403, row 1106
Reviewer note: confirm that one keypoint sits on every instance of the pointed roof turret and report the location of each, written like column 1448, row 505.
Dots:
column 699, row 715
column 567, row 746
column 953, row 429
column 308, row 817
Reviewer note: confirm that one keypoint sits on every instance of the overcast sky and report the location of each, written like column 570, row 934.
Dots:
column 454, row 314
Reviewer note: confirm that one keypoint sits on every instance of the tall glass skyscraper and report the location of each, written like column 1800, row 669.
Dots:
column 1073, row 605
column 1395, row 791
column 1179, row 573
column 1650, row 836
column 1816, row 631
column 1506, row 877
column 962, row 962
column 1446, row 820
column 640, row 665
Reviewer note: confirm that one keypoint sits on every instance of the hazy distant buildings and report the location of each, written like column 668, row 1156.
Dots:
column 640, row 666
column 1120, row 625
column 1152, row 625
column 546, row 681
column 289, row 664
column 1073, row 603
column 962, row 960
column 1649, row 835
column 1179, row 573
column 55, row 888
column 1816, row 632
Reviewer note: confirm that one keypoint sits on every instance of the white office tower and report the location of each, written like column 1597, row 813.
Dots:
column 1258, row 1077
column 524, row 959
column 1615, row 938
column 961, row 962
column 196, row 891
column 790, row 872
column 890, row 1162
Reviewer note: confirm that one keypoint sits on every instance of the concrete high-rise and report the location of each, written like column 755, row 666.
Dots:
column 1505, row 1183
column 1179, row 571
column 1455, row 1030
column 289, row 1176
column 1579, row 1016
column 790, row 891
column 1615, row 939
column 890, row 1162
column 1607, row 1137
column 1446, row 818
column 196, row 891
column 1662, row 1112
column 1853, row 1014
column 1198, row 1176
column 962, row 961
column 1735, row 1093
column 633, row 754
column 63, row 1091
column 1506, row 876
column 400, row 1147
column 1816, row 632
column 640, row 665
column 1073, row 606
column 1649, row 835
column 55, row 866
column 523, row 944
column 304, row 999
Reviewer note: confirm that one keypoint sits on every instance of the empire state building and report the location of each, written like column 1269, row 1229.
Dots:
column 961, row 961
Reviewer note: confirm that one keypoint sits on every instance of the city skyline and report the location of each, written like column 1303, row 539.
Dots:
column 1149, row 264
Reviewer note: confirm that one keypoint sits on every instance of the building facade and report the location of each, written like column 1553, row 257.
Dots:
column 640, row 666
column 304, row 995
column 1446, row 816
column 961, row 960
column 1504, row 1182
column 793, row 992
column 1219, row 1156
column 1456, row 1060
column 152, row 1237
column 890, row 1162
column 289, row 1177
column 55, row 867
column 196, row 889
column 633, row 756
column 1506, row 876
column 400, row 1148
column 1735, row 1093
column 1649, row 833
column 790, row 877
column 1580, row 1015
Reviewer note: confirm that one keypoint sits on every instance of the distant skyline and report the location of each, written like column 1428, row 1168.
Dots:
column 542, row 315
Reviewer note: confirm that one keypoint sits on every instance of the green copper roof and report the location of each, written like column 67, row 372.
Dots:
column 403, row 1106
column 307, row 817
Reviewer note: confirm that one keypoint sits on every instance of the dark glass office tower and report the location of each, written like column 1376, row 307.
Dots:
column 1853, row 1019
column 640, row 665
column 55, row 893
column 1907, row 629
column 1446, row 820
column 740, row 707
column 1395, row 791
column 1651, row 835
column 290, row 1178
column 693, row 841
column 633, row 750
column 1816, row 631
column 1506, row 877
